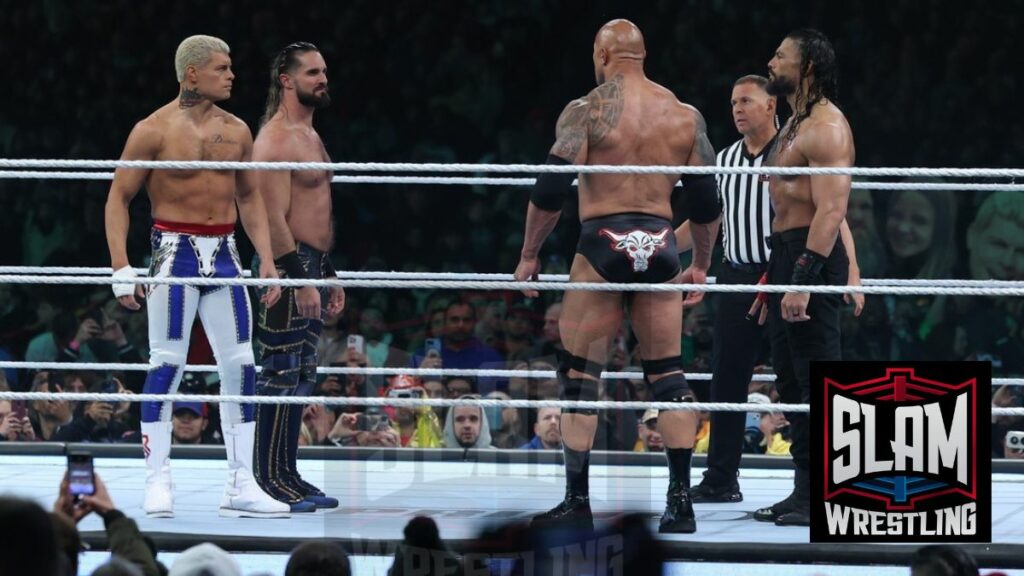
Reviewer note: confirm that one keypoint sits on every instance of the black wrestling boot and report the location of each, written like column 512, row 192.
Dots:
column 707, row 492
column 799, row 516
column 573, row 510
column 678, row 517
column 798, row 502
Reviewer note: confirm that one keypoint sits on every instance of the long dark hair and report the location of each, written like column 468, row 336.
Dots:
column 816, row 49
column 285, row 61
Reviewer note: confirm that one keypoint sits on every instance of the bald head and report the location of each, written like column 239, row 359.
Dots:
column 621, row 39
column 619, row 45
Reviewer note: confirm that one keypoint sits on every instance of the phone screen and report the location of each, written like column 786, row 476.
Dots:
column 80, row 475
column 433, row 346
column 357, row 342
column 19, row 409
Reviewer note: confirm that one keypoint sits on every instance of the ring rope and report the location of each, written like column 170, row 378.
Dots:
column 391, row 371
column 431, row 402
column 368, row 275
column 368, row 371
column 509, row 168
column 1016, row 289
column 484, row 181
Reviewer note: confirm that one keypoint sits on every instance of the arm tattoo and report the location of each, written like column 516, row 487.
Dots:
column 589, row 119
column 571, row 131
column 702, row 146
column 605, row 108
column 188, row 98
column 704, row 236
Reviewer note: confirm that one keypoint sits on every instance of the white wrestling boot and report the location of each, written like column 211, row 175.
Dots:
column 158, row 501
column 243, row 497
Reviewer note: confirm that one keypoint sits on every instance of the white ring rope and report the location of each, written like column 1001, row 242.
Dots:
column 431, row 402
column 1017, row 289
column 394, row 275
column 508, row 168
column 485, row 181
column 393, row 370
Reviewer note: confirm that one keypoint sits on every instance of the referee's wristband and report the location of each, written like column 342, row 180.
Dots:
column 291, row 265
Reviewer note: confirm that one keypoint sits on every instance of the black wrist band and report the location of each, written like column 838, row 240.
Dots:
column 291, row 265
column 808, row 267
column 329, row 272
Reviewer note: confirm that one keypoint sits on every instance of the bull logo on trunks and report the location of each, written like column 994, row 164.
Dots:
column 639, row 245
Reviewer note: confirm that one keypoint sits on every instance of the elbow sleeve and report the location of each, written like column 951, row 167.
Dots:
column 550, row 191
column 698, row 199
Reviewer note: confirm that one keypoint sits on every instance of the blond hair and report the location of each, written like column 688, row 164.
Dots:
column 196, row 51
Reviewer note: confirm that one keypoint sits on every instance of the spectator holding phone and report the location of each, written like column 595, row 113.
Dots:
column 47, row 416
column 460, row 349
column 96, row 422
column 14, row 422
column 123, row 533
column 417, row 427
column 371, row 428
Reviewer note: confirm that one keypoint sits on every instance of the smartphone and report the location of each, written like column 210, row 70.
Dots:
column 432, row 347
column 81, row 480
column 372, row 422
column 19, row 409
column 1015, row 440
column 357, row 342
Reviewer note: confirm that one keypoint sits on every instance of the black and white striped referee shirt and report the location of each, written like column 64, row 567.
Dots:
column 746, row 206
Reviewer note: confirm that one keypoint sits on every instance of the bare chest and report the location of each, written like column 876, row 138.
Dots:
column 311, row 149
column 215, row 144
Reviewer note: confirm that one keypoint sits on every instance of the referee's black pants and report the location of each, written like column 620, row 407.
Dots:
column 737, row 345
column 796, row 344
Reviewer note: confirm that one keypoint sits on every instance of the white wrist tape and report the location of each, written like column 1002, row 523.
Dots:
column 124, row 289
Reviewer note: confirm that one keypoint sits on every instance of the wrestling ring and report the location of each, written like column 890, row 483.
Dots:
column 466, row 491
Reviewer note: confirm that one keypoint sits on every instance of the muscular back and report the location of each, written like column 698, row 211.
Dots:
column 303, row 196
column 193, row 196
column 823, row 139
column 630, row 120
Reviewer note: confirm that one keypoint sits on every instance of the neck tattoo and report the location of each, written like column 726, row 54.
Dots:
column 188, row 98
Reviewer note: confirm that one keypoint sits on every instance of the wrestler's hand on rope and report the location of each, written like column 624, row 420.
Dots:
column 528, row 270
column 857, row 298
column 307, row 300
column 693, row 275
column 269, row 270
column 794, row 306
column 335, row 301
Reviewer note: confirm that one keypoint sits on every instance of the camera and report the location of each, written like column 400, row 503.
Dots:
column 1015, row 440
column 406, row 393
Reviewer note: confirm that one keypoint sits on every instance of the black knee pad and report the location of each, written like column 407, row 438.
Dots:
column 582, row 389
column 672, row 388
column 662, row 366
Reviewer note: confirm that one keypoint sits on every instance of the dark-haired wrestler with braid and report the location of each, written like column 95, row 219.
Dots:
column 626, row 237
column 301, row 234
column 805, row 241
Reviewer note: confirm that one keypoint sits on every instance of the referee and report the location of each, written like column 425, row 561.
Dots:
column 738, row 341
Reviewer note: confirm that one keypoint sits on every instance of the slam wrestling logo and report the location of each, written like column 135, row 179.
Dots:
column 905, row 450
